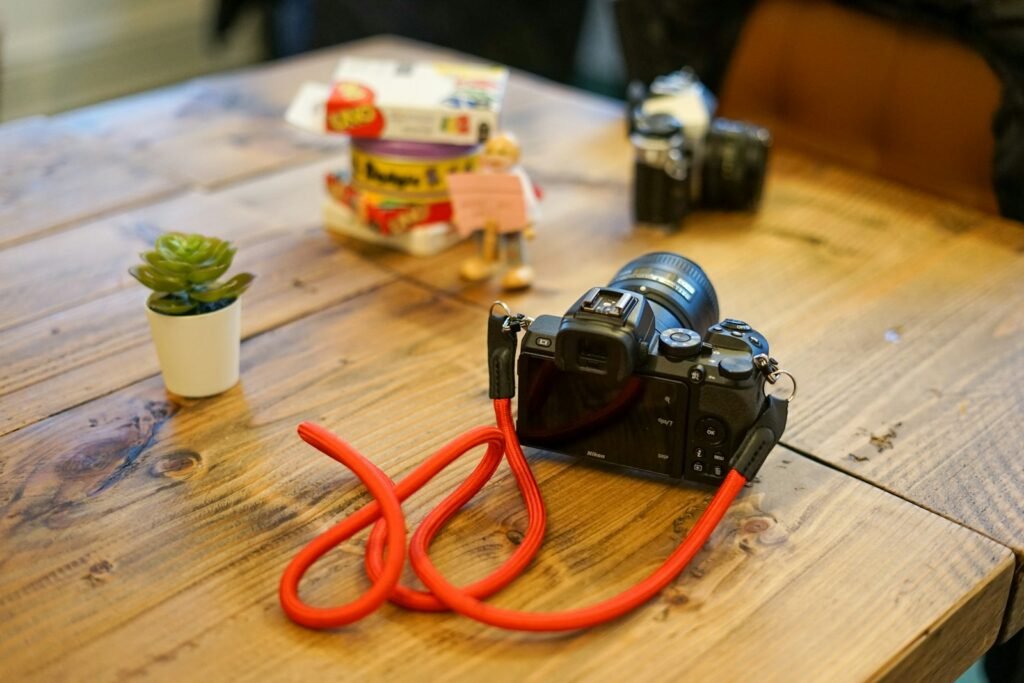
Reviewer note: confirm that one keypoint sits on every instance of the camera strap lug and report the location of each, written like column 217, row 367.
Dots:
column 503, row 329
column 516, row 323
column 512, row 322
column 769, row 367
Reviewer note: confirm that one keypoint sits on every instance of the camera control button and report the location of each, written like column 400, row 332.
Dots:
column 711, row 430
column 718, row 455
column 698, row 467
column 698, row 452
column 736, row 367
column 697, row 374
column 543, row 341
column 677, row 343
column 737, row 325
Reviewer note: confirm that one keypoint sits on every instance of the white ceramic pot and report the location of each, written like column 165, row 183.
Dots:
column 198, row 353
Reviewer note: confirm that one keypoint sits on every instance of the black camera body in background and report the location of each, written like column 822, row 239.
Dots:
column 685, row 158
column 624, row 378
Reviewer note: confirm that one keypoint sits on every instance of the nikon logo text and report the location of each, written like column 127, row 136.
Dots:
column 595, row 454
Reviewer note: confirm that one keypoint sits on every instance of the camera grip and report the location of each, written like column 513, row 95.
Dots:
column 761, row 438
column 501, row 358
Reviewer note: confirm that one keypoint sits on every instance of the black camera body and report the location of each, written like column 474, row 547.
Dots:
column 624, row 378
column 685, row 158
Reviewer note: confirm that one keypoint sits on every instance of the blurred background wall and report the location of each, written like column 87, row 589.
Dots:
column 867, row 83
column 61, row 54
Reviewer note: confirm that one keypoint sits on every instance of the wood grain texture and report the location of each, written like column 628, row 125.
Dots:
column 59, row 272
column 52, row 178
column 914, row 331
column 205, row 133
column 144, row 535
column 930, row 399
column 899, row 312
column 149, row 541
column 102, row 345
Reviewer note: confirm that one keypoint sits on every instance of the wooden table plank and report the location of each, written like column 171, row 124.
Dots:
column 834, row 266
column 930, row 399
column 61, row 271
column 75, row 328
column 205, row 132
column 914, row 329
column 100, row 346
column 805, row 256
column 292, row 197
column 52, row 178
column 150, row 540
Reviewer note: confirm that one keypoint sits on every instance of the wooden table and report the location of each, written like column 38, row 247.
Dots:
column 143, row 535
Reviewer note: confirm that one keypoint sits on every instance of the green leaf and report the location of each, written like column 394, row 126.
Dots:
column 169, row 247
column 190, row 264
column 157, row 280
column 201, row 249
column 170, row 242
column 240, row 282
column 216, row 265
column 169, row 304
column 223, row 253
column 230, row 289
column 154, row 259
column 203, row 275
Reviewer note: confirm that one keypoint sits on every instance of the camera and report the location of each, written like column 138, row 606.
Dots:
column 641, row 374
column 684, row 158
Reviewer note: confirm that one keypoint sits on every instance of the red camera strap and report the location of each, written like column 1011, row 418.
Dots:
column 386, row 549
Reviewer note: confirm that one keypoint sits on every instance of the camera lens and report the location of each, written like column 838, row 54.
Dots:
column 661, row 177
column 735, row 161
column 676, row 287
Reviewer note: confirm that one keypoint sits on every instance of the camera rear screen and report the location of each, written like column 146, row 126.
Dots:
column 639, row 423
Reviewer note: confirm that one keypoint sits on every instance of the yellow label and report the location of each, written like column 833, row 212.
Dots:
column 407, row 175
column 343, row 119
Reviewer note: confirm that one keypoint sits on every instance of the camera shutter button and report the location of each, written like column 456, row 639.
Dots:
column 677, row 343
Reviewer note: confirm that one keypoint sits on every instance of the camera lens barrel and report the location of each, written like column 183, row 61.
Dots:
column 678, row 289
column 734, row 164
column 661, row 171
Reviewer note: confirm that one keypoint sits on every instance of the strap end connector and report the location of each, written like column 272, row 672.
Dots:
column 761, row 438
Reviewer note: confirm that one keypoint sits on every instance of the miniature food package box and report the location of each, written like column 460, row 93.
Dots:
column 416, row 101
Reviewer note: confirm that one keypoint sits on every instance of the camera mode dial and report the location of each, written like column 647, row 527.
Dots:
column 678, row 343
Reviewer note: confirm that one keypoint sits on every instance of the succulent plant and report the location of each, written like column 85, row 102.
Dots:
column 182, row 271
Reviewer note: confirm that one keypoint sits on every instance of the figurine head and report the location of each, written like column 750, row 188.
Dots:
column 501, row 152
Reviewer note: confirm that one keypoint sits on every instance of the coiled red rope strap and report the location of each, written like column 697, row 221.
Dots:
column 386, row 549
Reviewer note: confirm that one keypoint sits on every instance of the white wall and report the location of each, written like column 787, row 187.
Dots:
column 61, row 54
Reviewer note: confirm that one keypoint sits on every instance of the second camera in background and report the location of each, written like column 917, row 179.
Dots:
column 685, row 158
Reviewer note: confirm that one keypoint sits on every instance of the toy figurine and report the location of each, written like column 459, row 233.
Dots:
column 503, row 204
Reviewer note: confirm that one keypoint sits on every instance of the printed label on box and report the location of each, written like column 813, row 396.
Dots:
column 416, row 101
